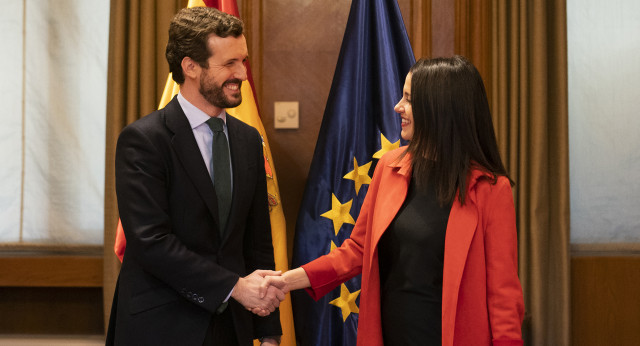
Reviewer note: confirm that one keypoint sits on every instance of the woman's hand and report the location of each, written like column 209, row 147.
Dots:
column 292, row 280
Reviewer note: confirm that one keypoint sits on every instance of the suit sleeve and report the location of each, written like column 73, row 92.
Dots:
column 142, row 180
column 258, row 245
column 504, row 293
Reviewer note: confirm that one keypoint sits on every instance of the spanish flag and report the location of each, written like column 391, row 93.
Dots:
column 247, row 112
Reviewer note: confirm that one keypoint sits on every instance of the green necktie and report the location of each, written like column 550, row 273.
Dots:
column 221, row 170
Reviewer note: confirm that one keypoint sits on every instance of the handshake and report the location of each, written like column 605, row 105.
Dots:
column 262, row 291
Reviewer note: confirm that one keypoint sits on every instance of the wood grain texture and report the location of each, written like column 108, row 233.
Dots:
column 51, row 271
column 605, row 300
column 56, row 311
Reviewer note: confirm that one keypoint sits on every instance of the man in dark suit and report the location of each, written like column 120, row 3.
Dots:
column 193, row 203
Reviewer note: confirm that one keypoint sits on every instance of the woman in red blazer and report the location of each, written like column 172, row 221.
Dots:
column 450, row 277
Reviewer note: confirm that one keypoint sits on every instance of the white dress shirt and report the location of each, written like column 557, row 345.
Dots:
column 202, row 132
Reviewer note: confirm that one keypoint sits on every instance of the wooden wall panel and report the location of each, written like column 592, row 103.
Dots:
column 51, row 271
column 443, row 28
column 51, row 290
column 294, row 51
column 299, row 42
column 46, row 310
column 605, row 300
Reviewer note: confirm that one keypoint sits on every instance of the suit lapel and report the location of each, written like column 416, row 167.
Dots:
column 189, row 155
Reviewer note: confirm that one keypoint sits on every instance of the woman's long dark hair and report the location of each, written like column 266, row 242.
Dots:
column 452, row 127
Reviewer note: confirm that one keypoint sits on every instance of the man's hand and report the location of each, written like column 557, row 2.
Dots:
column 289, row 281
column 269, row 293
column 247, row 292
column 272, row 281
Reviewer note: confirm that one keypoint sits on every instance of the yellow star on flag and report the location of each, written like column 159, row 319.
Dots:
column 360, row 175
column 346, row 302
column 339, row 213
column 333, row 246
column 386, row 146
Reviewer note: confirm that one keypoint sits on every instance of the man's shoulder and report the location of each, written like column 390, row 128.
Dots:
column 147, row 124
column 236, row 125
column 153, row 127
column 157, row 119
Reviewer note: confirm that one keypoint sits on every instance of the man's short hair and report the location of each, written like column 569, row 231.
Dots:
column 188, row 34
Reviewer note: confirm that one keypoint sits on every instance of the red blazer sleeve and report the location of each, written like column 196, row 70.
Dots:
column 504, row 293
column 329, row 271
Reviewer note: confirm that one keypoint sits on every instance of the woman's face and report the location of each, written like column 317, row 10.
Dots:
column 404, row 109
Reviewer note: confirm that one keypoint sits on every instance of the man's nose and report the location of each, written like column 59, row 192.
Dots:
column 241, row 72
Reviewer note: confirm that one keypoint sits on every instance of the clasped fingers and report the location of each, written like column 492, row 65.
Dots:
column 275, row 282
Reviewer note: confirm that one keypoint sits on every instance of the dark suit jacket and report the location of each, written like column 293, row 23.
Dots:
column 177, row 270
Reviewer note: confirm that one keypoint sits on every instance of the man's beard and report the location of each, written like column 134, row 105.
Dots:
column 215, row 94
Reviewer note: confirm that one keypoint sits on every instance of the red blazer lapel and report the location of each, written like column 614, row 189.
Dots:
column 390, row 197
column 460, row 231
column 461, row 228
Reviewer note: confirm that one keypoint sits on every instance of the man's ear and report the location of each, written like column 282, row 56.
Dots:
column 190, row 68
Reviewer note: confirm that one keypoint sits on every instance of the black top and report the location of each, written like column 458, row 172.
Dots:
column 411, row 257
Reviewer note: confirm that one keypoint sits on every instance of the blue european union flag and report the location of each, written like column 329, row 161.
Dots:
column 359, row 125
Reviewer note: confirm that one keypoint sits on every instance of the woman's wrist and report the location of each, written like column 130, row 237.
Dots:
column 296, row 279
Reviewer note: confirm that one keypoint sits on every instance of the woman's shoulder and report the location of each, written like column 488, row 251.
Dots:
column 487, row 184
column 395, row 156
column 480, row 176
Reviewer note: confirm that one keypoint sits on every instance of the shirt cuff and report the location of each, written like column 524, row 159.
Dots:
column 229, row 295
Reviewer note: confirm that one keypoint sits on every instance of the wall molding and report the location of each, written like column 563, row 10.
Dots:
column 28, row 250
column 50, row 266
column 605, row 249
